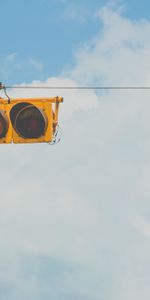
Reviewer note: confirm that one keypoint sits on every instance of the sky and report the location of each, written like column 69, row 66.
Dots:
column 75, row 217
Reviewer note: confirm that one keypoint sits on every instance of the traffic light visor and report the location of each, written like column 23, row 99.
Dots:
column 3, row 124
column 28, row 120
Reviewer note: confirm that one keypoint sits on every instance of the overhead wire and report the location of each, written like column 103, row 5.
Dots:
column 82, row 87
column 6, row 94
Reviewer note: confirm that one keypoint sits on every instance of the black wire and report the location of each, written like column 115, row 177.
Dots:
column 4, row 88
column 82, row 87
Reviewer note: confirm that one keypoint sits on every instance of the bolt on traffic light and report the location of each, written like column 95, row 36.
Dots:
column 29, row 120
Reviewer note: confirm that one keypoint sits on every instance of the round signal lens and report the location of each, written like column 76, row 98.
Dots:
column 30, row 122
column 3, row 124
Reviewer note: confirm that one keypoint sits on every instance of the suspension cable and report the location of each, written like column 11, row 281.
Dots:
column 82, row 87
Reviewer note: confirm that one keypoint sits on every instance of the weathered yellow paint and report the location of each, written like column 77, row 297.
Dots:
column 49, row 106
column 6, row 109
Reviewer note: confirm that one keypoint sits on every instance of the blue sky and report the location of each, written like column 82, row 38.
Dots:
column 39, row 38
column 75, row 217
column 45, row 31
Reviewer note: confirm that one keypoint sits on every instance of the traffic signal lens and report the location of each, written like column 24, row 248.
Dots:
column 30, row 122
column 3, row 124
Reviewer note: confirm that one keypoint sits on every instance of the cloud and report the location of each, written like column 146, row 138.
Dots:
column 78, row 204
column 12, row 65
column 76, row 12
column 38, row 65
column 11, row 57
column 102, row 60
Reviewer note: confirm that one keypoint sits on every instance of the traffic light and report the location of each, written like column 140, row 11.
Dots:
column 29, row 120
column 5, row 126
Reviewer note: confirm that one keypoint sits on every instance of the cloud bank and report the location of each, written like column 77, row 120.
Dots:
column 75, row 217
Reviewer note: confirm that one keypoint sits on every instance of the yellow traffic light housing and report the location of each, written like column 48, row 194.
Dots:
column 28, row 120
column 5, row 125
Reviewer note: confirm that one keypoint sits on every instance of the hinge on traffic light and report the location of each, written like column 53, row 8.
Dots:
column 57, row 136
column 2, row 87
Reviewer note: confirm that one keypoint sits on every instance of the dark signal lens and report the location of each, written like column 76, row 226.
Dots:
column 30, row 122
column 3, row 124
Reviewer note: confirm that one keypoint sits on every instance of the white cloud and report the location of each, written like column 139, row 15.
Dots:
column 11, row 57
column 82, row 202
column 14, row 64
column 102, row 60
column 76, row 11
column 37, row 64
